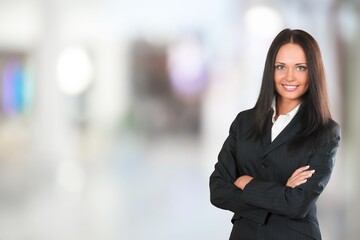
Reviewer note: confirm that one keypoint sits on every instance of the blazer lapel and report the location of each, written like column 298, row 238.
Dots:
column 288, row 132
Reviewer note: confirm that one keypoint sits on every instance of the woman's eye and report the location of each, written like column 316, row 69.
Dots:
column 301, row 68
column 280, row 67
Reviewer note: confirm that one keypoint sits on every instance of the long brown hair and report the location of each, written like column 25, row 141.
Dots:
column 315, row 107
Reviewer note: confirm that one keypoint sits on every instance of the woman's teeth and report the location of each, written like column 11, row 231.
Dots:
column 290, row 87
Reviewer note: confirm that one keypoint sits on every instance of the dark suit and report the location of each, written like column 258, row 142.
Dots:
column 266, row 208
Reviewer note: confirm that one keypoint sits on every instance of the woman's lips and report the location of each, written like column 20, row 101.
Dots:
column 290, row 88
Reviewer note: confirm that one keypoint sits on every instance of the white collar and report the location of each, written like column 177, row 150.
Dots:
column 290, row 114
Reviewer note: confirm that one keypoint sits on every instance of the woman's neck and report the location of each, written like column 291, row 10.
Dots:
column 285, row 106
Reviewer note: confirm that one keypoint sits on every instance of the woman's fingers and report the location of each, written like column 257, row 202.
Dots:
column 303, row 175
column 300, row 170
column 299, row 176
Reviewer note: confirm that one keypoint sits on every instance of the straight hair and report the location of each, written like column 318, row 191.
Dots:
column 314, row 108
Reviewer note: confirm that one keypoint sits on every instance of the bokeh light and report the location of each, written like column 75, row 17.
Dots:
column 75, row 70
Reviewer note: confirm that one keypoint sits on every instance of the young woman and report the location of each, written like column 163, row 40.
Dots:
column 279, row 155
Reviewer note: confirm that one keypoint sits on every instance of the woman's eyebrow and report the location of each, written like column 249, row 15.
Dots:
column 295, row 64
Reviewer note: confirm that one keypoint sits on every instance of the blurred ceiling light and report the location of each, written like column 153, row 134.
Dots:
column 263, row 21
column 70, row 176
column 74, row 70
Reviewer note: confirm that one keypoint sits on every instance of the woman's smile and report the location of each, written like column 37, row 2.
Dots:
column 290, row 88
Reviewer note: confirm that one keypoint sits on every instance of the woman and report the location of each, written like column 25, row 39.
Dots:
column 279, row 155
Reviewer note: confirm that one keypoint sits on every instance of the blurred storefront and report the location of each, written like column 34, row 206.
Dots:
column 112, row 113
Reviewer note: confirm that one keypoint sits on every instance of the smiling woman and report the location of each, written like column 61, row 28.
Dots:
column 279, row 156
column 291, row 77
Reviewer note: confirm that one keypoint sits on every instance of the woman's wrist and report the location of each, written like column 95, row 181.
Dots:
column 242, row 181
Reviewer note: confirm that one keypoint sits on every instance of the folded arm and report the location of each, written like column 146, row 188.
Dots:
column 295, row 199
column 223, row 193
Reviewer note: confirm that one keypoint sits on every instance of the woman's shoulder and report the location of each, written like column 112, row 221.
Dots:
column 247, row 114
column 243, row 121
column 332, row 127
column 330, row 132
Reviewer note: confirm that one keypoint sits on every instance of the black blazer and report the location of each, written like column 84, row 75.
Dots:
column 282, row 212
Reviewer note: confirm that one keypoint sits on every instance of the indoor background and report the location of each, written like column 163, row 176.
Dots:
column 112, row 112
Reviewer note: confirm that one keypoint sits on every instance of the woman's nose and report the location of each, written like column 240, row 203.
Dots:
column 290, row 75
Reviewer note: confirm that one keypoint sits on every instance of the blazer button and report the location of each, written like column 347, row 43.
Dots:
column 265, row 164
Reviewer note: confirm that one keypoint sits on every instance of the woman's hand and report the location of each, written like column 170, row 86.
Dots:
column 242, row 181
column 300, row 176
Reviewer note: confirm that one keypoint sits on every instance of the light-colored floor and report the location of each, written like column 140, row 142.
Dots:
column 132, row 189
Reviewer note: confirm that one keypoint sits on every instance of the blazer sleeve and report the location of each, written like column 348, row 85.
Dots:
column 296, row 202
column 223, row 192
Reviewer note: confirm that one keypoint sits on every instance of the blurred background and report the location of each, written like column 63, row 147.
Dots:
column 112, row 112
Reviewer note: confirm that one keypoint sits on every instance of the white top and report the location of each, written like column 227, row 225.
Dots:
column 282, row 121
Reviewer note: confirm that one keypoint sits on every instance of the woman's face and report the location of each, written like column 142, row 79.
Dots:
column 291, row 74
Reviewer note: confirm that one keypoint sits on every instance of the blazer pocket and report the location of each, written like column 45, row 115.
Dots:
column 306, row 226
